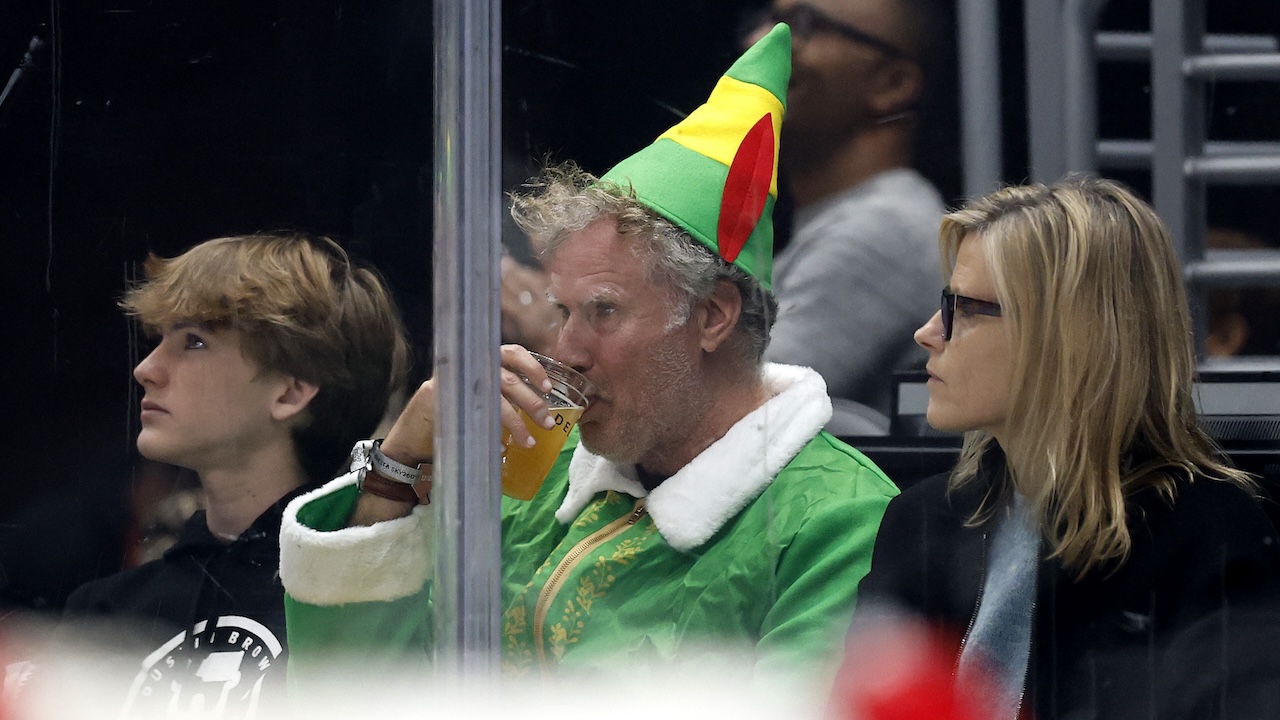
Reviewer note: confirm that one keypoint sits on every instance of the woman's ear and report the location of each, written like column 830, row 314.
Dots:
column 720, row 315
column 294, row 397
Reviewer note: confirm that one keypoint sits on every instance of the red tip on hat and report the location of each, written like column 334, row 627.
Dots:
column 746, row 189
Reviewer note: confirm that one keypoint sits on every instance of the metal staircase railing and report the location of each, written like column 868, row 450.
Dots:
column 1181, row 70
column 1185, row 61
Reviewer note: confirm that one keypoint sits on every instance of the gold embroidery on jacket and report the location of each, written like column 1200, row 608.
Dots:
column 517, row 638
column 593, row 585
column 562, row 575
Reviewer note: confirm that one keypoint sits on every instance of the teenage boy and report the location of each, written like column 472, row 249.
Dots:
column 274, row 353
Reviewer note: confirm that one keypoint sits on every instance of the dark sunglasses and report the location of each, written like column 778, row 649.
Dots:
column 806, row 21
column 951, row 302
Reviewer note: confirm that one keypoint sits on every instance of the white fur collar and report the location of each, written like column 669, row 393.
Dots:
column 690, row 506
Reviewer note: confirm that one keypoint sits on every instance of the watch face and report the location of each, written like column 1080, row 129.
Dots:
column 218, row 669
column 362, row 455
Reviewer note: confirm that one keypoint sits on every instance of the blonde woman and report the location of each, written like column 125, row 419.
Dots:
column 1089, row 521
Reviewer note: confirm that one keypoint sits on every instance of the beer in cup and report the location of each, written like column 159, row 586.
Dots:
column 524, row 468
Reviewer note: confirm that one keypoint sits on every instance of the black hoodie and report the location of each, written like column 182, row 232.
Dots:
column 205, row 622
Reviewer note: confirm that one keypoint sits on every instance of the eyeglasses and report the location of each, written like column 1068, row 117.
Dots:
column 806, row 21
column 952, row 302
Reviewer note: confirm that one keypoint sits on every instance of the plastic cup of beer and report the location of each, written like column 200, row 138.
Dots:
column 524, row 468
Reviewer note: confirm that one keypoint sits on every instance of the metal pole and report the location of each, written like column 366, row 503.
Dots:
column 1136, row 154
column 1080, row 83
column 1046, row 136
column 1236, row 268
column 1178, row 132
column 1242, row 170
column 1255, row 66
column 467, row 206
column 1136, row 47
column 980, row 124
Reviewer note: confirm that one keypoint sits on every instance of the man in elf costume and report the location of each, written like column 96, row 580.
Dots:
column 698, row 505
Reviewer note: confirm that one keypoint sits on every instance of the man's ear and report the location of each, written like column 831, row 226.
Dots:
column 898, row 87
column 294, row 397
column 719, row 315
column 1227, row 335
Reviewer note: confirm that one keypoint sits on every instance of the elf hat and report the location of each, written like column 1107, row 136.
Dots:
column 715, row 174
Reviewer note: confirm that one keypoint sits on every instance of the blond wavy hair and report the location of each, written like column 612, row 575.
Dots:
column 1100, row 402
column 302, row 308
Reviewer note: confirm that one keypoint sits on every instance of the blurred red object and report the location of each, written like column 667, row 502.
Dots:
column 899, row 669
column 5, row 690
column 14, row 676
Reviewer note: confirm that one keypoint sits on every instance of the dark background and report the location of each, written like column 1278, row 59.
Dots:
column 144, row 126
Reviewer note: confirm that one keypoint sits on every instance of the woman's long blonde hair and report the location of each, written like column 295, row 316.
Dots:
column 1100, row 403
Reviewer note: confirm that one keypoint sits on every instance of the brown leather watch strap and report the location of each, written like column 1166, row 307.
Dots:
column 375, row 484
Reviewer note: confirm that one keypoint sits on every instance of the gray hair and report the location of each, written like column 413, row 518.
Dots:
column 565, row 199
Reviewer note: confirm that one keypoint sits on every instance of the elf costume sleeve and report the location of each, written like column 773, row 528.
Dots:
column 359, row 597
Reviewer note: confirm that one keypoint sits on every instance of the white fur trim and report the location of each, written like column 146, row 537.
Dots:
column 384, row 561
column 590, row 474
column 690, row 506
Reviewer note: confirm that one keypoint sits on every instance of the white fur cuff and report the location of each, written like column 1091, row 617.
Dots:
column 385, row 561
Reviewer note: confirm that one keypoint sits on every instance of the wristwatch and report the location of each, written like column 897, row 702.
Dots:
column 392, row 480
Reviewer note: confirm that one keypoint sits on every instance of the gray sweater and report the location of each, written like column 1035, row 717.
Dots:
column 860, row 275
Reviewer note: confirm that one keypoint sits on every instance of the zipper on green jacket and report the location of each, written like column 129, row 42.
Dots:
column 570, row 560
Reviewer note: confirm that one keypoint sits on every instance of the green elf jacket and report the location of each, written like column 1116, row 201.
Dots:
column 759, row 543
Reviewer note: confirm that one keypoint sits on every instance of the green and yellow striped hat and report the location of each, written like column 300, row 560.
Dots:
column 715, row 174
